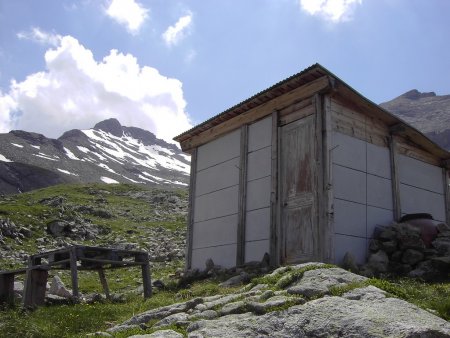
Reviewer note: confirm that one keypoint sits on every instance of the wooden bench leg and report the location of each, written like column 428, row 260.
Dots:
column 7, row 288
column 146, row 277
column 35, row 287
column 74, row 272
column 104, row 282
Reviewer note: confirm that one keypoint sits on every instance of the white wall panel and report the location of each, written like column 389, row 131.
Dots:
column 349, row 184
column 214, row 232
column 379, row 192
column 259, row 163
column 257, row 224
column 258, row 193
column 349, row 218
column 217, row 177
column 378, row 161
column 420, row 174
column 377, row 216
column 224, row 256
column 356, row 245
column 349, row 152
column 415, row 200
column 260, row 134
column 254, row 251
column 216, row 204
column 220, row 150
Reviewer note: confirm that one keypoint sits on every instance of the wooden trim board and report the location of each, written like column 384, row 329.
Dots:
column 190, row 219
column 240, row 254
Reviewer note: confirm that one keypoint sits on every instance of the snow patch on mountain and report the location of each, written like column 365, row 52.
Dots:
column 4, row 159
column 70, row 154
column 17, row 145
column 108, row 180
column 66, row 172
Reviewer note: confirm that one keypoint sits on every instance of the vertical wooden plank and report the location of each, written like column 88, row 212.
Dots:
column 146, row 275
column 327, row 205
column 446, row 173
column 320, row 177
column 35, row 287
column 275, row 220
column 27, row 293
column 395, row 178
column 190, row 223
column 7, row 288
column 104, row 282
column 240, row 254
column 74, row 272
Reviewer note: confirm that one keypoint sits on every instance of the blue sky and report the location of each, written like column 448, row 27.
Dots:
column 165, row 65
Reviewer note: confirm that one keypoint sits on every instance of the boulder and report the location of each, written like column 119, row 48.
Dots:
column 412, row 257
column 58, row 288
column 159, row 334
column 379, row 261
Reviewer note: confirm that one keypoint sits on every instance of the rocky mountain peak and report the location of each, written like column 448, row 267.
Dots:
column 414, row 94
column 111, row 126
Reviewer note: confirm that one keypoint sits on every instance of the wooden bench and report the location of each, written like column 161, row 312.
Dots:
column 7, row 285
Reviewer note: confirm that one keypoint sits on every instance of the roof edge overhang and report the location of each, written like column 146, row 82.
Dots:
column 314, row 79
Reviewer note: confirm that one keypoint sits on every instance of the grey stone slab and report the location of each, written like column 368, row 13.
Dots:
column 378, row 160
column 257, row 224
column 415, row 200
column 220, row 150
column 355, row 245
column 259, row 163
column 214, row 232
column 420, row 174
column 349, row 218
column 379, row 192
column 217, row 177
column 349, row 184
column 258, row 193
column 260, row 134
column 349, row 151
column 254, row 251
column 216, row 204
column 224, row 256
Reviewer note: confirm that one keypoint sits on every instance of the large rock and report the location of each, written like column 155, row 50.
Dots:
column 58, row 288
column 159, row 334
column 318, row 282
column 360, row 313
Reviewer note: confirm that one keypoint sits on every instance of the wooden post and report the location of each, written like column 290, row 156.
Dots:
column 146, row 276
column 395, row 178
column 7, row 288
column 274, row 199
column 74, row 272
column 104, row 282
column 328, row 204
column 320, row 205
column 240, row 254
column 190, row 219
column 36, row 282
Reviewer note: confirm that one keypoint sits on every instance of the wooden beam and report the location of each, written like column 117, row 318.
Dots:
column 74, row 272
column 265, row 109
column 320, row 177
column 104, row 283
column 190, row 219
column 274, row 195
column 395, row 178
column 328, row 200
column 146, row 275
column 240, row 254
column 7, row 288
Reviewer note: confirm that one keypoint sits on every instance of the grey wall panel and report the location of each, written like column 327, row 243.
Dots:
column 216, row 204
column 377, row 216
column 420, row 174
column 349, row 184
column 415, row 200
column 214, row 232
column 259, row 163
column 349, row 218
column 221, row 255
column 378, row 161
column 349, row 152
column 254, row 251
column 217, row 177
column 257, row 224
column 260, row 134
column 379, row 192
column 258, row 193
column 355, row 245
column 220, row 150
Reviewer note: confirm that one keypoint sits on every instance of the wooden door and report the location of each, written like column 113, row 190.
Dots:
column 298, row 184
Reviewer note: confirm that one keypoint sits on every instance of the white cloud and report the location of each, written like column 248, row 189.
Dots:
column 175, row 33
column 129, row 13
column 76, row 91
column 39, row 36
column 332, row 10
